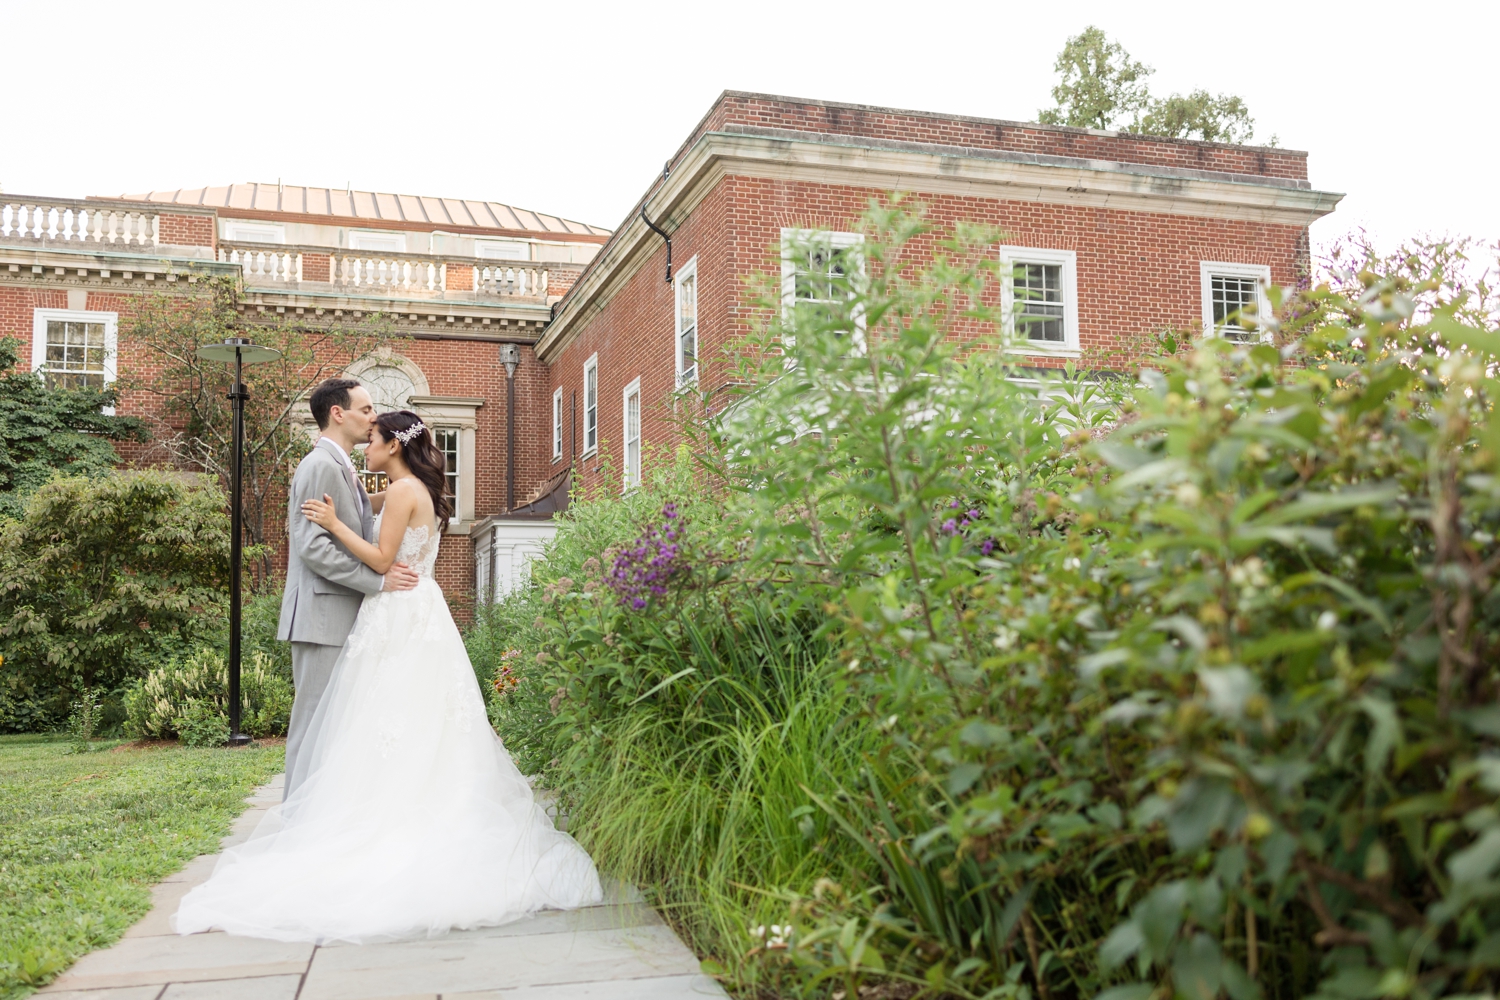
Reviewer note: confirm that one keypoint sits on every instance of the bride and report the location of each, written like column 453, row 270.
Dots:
column 412, row 819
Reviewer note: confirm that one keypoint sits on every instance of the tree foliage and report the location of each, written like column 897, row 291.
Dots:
column 196, row 431
column 48, row 430
column 102, row 578
column 1101, row 86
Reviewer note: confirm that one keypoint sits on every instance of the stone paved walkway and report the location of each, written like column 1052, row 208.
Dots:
column 618, row 951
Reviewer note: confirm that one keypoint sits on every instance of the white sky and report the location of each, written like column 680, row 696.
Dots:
column 571, row 108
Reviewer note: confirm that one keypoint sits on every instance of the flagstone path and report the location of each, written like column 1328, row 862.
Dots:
column 620, row 950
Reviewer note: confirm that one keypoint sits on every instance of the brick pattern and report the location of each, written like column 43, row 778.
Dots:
column 1138, row 274
column 316, row 266
column 187, row 230
column 734, row 109
column 458, row 278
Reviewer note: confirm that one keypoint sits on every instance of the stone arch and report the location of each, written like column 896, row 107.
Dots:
column 390, row 378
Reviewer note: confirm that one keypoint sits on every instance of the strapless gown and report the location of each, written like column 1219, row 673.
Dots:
column 412, row 820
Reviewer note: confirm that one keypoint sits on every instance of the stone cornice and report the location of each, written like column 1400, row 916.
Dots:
column 920, row 169
column 30, row 266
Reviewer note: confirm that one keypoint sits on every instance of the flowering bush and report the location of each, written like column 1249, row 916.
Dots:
column 646, row 568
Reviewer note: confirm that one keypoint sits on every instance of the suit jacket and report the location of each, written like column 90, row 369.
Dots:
column 325, row 583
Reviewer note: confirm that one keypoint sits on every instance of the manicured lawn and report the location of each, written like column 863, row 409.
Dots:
column 83, row 837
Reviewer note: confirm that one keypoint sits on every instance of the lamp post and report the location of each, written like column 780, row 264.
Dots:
column 241, row 352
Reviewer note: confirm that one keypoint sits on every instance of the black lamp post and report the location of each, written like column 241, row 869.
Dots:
column 241, row 352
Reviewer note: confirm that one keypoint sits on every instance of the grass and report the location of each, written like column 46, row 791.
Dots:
column 83, row 837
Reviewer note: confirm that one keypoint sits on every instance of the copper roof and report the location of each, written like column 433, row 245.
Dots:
column 371, row 208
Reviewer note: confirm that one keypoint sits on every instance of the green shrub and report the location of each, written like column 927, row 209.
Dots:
column 1187, row 697
column 102, row 579
column 184, row 688
column 202, row 724
column 681, row 739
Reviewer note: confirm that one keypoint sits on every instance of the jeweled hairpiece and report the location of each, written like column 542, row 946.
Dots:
column 405, row 436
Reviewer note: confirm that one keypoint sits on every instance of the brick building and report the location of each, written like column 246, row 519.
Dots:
column 453, row 279
column 1113, row 237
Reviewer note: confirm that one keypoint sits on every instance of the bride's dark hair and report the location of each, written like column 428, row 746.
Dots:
column 422, row 457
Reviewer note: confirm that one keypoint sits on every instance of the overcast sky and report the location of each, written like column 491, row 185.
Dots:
column 570, row 108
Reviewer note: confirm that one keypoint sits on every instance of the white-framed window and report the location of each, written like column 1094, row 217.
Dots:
column 360, row 239
column 73, row 348
column 686, row 323
column 557, row 423
column 502, row 250
column 254, row 232
column 1230, row 292
column 446, row 439
column 591, row 405
column 1039, row 299
column 816, row 266
column 632, row 434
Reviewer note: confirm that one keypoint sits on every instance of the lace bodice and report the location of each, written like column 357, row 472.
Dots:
column 418, row 549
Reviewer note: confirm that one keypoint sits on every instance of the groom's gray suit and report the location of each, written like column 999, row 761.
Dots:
column 325, row 584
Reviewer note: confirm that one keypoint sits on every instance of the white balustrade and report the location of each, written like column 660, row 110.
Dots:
column 77, row 222
column 388, row 273
column 264, row 264
column 510, row 280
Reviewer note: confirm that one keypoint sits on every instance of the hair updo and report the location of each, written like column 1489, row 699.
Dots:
column 422, row 456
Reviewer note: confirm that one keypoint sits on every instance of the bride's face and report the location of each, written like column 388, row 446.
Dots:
column 379, row 451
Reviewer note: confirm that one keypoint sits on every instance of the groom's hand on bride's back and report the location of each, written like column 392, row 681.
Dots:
column 399, row 577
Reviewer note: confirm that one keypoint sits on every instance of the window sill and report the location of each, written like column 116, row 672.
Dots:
column 1042, row 350
column 588, row 453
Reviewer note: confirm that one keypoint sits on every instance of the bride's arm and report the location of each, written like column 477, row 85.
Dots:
column 398, row 507
column 377, row 501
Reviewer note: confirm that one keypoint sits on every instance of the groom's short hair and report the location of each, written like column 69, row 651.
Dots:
column 332, row 392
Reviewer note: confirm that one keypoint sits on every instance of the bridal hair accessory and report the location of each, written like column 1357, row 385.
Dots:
column 405, row 436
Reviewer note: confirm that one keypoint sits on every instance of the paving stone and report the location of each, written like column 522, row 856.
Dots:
column 616, row 891
column 448, row 965
column 165, row 896
column 259, row 988
column 196, row 871
column 176, row 959
column 653, row 988
column 592, row 918
column 125, row 993
column 243, row 827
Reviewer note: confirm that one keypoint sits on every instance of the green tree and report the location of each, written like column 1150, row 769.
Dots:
column 1199, row 115
column 45, row 430
column 196, row 431
column 100, row 579
column 1100, row 86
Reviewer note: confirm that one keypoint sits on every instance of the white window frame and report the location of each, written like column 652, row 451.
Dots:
column 837, row 241
column 557, row 422
column 376, row 236
column 590, row 415
column 239, row 231
column 458, row 470
column 1010, row 256
column 111, row 321
column 631, row 466
column 1210, row 269
column 688, row 270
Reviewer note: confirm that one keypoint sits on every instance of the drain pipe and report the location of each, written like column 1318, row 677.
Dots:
column 665, row 171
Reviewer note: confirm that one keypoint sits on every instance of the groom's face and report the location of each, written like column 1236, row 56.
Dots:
column 359, row 418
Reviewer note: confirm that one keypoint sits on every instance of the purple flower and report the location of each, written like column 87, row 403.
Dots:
column 646, row 569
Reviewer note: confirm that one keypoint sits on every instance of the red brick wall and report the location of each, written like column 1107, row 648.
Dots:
column 1138, row 274
column 459, row 278
column 187, row 230
column 315, row 266
column 759, row 111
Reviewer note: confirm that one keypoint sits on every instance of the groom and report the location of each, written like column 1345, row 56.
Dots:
column 325, row 583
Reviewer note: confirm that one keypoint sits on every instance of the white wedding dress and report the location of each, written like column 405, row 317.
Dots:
column 413, row 820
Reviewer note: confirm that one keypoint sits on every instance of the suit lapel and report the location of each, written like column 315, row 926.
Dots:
column 349, row 481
